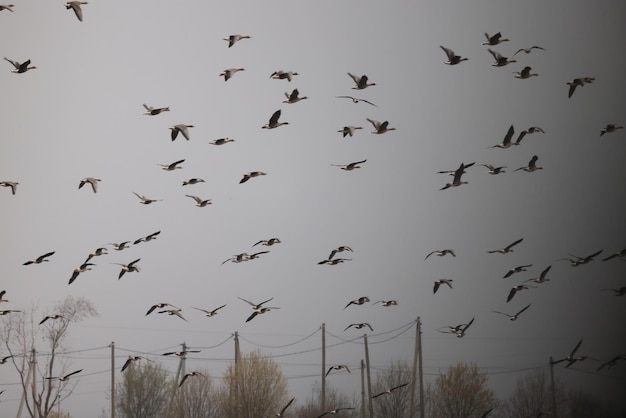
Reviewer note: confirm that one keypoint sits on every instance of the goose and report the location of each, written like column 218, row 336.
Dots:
column 221, row 141
column 260, row 311
column 528, row 50
column 334, row 261
column 2, row 299
column 76, row 6
column 494, row 170
column 456, row 181
column 273, row 123
column 256, row 255
column 506, row 142
column 453, row 59
column 232, row 39
column 7, row 7
column 152, row 111
column 516, row 289
column 380, row 127
column 190, row 374
column 441, row 253
column 145, row 200
column 256, row 306
column 387, row 303
column 334, row 411
column 359, row 326
column 570, row 357
column 501, row 60
column 581, row 81
column 182, row 128
column 581, row 260
column 617, row 292
column 517, row 269
column 212, row 313
column 620, row 253
column 356, row 100
column 532, row 165
column 542, row 277
column 514, row 317
column 147, row 238
column 610, row 128
column 40, row 259
column 359, row 301
column 93, row 182
column 337, row 367
column 459, row 330
column 6, row 312
column 227, row 74
column 294, row 97
column 120, row 246
column 128, row 268
column 192, row 181
column 281, row 414
column 361, row 82
column 20, row 67
column 267, row 242
column 525, row 73
column 439, row 282
column 388, row 391
column 160, row 305
column 507, row 249
column 237, row 258
column 494, row 39
column 180, row 353
column 349, row 167
column 611, row 362
column 53, row 316
column 453, row 172
column 250, row 175
column 83, row 268
column 11, row 184
column 339, row 249
column 174, row 312
column 531, row 130
column 131, row 360
column 349, row 130
column 3, row 360
column 281, row 75
column 199, row 201
column 172, row 166
column 64, row 378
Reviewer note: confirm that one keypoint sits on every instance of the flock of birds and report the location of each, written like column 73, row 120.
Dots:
column 361, row 83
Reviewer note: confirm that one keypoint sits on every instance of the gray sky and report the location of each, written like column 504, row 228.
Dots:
column 79, row 114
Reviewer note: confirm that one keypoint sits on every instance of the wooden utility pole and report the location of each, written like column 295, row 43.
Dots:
column 414, row 371
column 369, row 378
column 236, row 377
column 552, row 388
column 362, row 388
column 112, row 379
column 323, row 392
column 421, row 369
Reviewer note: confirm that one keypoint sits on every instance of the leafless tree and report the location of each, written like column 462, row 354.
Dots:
column 334, row 399
column 396, row 404
column 20, row 336
column 253, row 387
column 532, row 396
column 459, row 393
column 585, row 405
column 143, row 391
column 196, row 398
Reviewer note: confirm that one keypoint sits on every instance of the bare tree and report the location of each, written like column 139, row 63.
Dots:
column 334, row 399
column 195, row 397
column 253, row 387
column 41, row 392
column 396, row 404
column 461, row 392
column 532, row 396
column 585, row 405
column 143, row 392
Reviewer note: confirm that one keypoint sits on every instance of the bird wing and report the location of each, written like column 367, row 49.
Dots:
column 255, row 313
column 73, row 373
column 247, row 301
column 523, row 309
column 374, row 122
column 282, row 411
column 274, row 118
column 514, row 243
column 437, row 284
column 511, row 294
column 576, row 348
column 14, row 63
column 354, row 77
column 448, row 52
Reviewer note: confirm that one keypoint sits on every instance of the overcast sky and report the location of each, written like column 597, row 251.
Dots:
column 80, row 114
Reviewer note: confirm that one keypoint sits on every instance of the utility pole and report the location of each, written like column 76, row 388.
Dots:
column 181, row 367
column 369, row 378
column 552, row 388
column 421, row 369
column 112, row 379
column 236, row 377
column 362, row 388
column 414, row 373
column 323, row 393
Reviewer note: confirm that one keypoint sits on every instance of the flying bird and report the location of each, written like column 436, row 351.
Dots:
column 359, row 326
column 182, row 129
column 359, row 301
column 334, row 411
column 611, row 362
column 516, row 289
column 66, row 377
column 221, row 141
column 542, row 277
column 232, row 39
column 128, row 268
column 267, row 242
column 453, row 172
column 506, row 142
column 456, row 181
column 282, row 75
column 180, row 353
column 229, row 73
column 339, row 249
column 153, row 111
column 211, row 313
column 349, row 130
column 8, row 7
column 237, row 258
column 190, row 374
column 361, row 82
column 76, row 6
column 200, row 202
column 390, row 302
column 621, row 253
column 516, row 270
column 577, row 261
column 494, row 39
column 578, row 82
column 570, row 359
column 349, row 167
column 120, row 246
column 441, row 253
column 525, row 73
column 356, row 100
column 294, row 97
column 20, row 67
column 83, row 268
column 93, row 182
column 388, row 391
column 453, row 59
column 260, row 311
column 11, row 184
column 174, row 312
column 145, row 200
column 131, row 360
column 160, row 305
column 2, row 299
column 193, row 181
column 52, row 316
column 611, row 127
column 334, row 261
column 439, row 282
column 380, row 127
column 337, row 367
column 256, row 306
column 532, row 165
column 507, row 249
column 531, row 130
column 494, row 170
column 501, row 60
column 172, row 166
column 40, row 259
column 514, row 317
column 147, row 238
column 528, row 50
column 8, row 311
column 281, row 414
column 273, row 122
